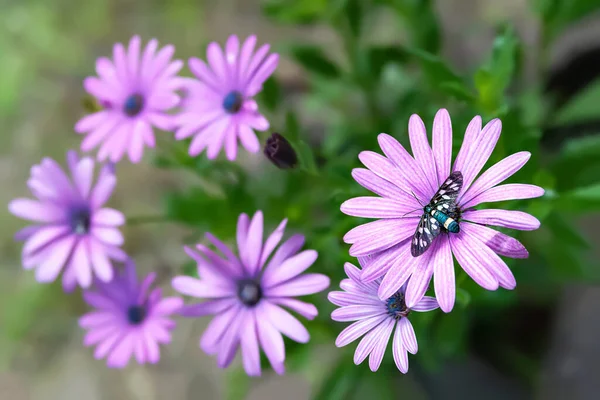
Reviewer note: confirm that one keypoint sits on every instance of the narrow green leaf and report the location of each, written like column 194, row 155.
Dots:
column 559, row 14
column 292, row 126
column 237, row 384
column 301, row 12
column 271, row 94
column 564, row 230
column 314, row 60
column 463, row 297
column 340, row 382
column 353, row 9
column 583, row 106
column 380, row 56
column 585, row 199
column 435, row 68
column 306, row 156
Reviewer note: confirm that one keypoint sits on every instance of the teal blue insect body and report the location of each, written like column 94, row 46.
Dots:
column 450, row 224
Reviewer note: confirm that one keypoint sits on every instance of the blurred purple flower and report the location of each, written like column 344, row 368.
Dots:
column 72, row 228
column 129, row 319
column 246, row 293
column 476, row 248
column 375, row 319
column 137, row 89
column 220, row 107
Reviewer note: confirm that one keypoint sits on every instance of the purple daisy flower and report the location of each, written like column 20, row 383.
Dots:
column 246, row 294
column 220, row 108
column 72, row 230
column 407, row 184
column 375, row 319
column 137, row 89
column 129, row 319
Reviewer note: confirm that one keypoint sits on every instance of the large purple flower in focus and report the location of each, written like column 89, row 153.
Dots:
column 129, row 319
column 376, row 319
column 72, row 229
column 247, row 293
column 137, row 88
column 220, row 108
column 398, row 175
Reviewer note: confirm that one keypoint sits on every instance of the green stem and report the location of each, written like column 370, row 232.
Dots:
column 146, row 219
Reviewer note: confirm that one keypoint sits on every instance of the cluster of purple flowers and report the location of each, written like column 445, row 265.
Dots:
column 248, row 292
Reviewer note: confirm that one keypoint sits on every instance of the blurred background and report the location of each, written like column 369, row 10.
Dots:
column 540, row 62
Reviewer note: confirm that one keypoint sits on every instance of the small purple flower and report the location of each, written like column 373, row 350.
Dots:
column 375, row 319
column 72, row 230
column 129, row 319
column 399, row 176
column 220, row 107
column 137, row 88
column 246, row 294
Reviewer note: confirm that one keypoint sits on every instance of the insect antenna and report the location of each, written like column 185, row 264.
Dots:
column 410, row 212
column 417, row 199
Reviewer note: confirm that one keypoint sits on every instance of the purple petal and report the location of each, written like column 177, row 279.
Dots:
column 300, row 286
column 427, row 303
column 358, row 329
column 290, row 268
column 254, row 243
column 418, row 181
column 380, row 345
column 381, row 262
column 419, row 280
column 500, row 243
column 496, row 174
column 379, row 186
column 442, row 144
column 27, row 232
column 272, row 242
column 399, row 351
column 108, row 217
column 492, row 262
column 209, row 342
column 120, row 355
column 152, row 349
column 231, row 338
column 357, row 312
column 270, row 339
column 245, row 57
column 103, row 268
column 81, row 262
column 233, row 266
column 504, row 218
column 207, row 308
column 135, row 150
column 217, row 63
column 250, row 349
column 409, row 339
column 375, row 207
column 242, row 233
column 36, row 211
column 168, row 306
column 347, row 299
column 379, row 235
column 307, row 310
column 53, row 263
column 399, row 272
column 443, row 276
column 480, row 151
column 110, row 236
column 83, row 176
column 102, row 191
column 266, row 69
column 248, row 138
column 473, row 261
column 285, row 251
column 216, row 269
column 285, row 323
column 255, row 63
column 355, row 275
column 367, row 343
column 96, row 319
column 205, row 74
column 219, row 129
column 44, row 238
column 511, row 191
column 197, row 288
column 387, row 171
column 91, row 121
column 231, row 142
column 471, row 134
column 424, row 156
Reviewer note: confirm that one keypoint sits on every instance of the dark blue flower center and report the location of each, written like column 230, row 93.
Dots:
column 80, row 220
column 133, row 105
column 249, row 292
column 232, row 103
column 396, row 307
column 136, row 314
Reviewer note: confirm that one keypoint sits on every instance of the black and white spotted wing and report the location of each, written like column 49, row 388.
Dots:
column 447, row 193
column 427, row 230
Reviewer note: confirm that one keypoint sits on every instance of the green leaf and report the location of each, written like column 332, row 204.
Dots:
column 451, row 332
column 559, row 14
column 566, row 232
column 380, row 56
column 458, row 90
column 493, row 78
column 463, row 297
column 237, row 384
column 583, row 106
column 422, row 23
column 305, row 156
column 340, row 383
column 585, row 199
column 435, row 68
column 295, row 11
column 353, row 10
column 292, row 126
column 271, row 96
column 314, row 60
